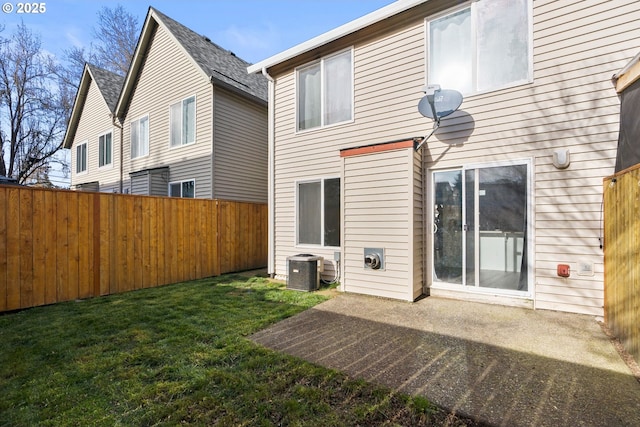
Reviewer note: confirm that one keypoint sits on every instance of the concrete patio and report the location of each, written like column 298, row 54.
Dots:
column 503, row 366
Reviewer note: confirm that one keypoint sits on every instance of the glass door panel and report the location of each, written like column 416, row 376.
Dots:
column 480, row 227
column 447, row 227
column 502, row 225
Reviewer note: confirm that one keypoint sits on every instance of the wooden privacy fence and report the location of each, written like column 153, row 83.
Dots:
column 622, row 257
column 58, row 245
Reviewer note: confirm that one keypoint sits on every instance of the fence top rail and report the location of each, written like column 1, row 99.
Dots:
column 622, row 172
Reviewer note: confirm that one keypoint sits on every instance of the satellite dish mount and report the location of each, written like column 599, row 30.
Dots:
column 437, row 103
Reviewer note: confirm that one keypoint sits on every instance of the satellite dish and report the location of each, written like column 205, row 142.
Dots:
column 436, row 104
column 440, row 104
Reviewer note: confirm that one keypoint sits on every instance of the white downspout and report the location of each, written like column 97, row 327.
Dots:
column 271, row 264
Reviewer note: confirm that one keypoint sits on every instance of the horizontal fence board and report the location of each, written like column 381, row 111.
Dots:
column 59, row 245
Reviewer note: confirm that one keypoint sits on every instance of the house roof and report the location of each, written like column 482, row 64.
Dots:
column 627, row 75
column 109, row 84
column 394, row 8
column 217, row 64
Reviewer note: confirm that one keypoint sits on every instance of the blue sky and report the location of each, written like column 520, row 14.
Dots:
column 252, row 29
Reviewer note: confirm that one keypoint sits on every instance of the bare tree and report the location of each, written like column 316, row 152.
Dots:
column 32, row 117
column 117, row 32
column 113, row 45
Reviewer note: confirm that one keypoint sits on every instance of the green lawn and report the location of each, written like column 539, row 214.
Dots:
column 179, row 354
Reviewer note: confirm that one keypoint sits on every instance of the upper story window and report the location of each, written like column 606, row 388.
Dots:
column 482, row 47
column 183, row 122
column 105, row 150
column 325, row 91
column 182, row 189
column 81, row 158
column 140, row 137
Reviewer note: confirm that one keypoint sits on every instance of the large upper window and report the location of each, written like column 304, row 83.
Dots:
column 182, row 189
column 183, row 122
column 318, row 221
column 105, row 150
column 325, row 91
column 81, row 158
column 140, row 137
column 482, row 47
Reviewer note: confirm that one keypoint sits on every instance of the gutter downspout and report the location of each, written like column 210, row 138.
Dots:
column 271, row 170
column 116, row 123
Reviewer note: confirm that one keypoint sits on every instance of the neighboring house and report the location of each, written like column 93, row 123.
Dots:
column 193, row 123
column 93, row 135
column 508, row 190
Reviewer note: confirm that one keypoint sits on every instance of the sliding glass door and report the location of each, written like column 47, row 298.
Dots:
column 480, row 226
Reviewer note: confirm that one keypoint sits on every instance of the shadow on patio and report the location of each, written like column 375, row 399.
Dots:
column 500, row 365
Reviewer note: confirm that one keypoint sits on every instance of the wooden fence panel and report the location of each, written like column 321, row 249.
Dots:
column 58, row 245
column 622, row 257
column 4, row 201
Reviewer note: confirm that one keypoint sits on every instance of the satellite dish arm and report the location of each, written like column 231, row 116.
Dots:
column 431, row 99
column 436, row 125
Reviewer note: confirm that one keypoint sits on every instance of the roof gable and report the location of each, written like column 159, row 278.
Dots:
column 216, row 64
column 109, row 85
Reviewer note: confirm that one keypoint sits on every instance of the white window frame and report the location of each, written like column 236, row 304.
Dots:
column 182, row 182
column 474, row 76
column 100, row 150
column 530, row 240
column 195, row 116
column 86, row 158
column 322, row 181
column 321, row 62
column 137, row 122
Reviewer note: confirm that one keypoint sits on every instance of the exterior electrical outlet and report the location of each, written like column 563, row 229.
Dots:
column 374, row 258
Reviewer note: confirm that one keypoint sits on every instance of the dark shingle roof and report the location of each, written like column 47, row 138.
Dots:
column 109, row 83
column 216, row 62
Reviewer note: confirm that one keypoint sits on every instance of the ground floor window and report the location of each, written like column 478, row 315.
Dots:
column 480, row 226
column 318, row 212
column 185, row 189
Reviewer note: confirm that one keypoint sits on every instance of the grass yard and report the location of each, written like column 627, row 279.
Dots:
column 179, row 355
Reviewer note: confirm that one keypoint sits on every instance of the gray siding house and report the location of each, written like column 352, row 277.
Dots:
column 503, row 203
column 192, row 122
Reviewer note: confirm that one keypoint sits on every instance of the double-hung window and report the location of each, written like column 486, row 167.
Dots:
column 183, row 122
column 182, row 189
column 318, row 212
column 140, row 137
column 325, row 91
column 105, row 150
column 482, row 47
column 81, row 158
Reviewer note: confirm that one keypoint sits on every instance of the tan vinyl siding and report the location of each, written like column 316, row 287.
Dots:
column 418, row 218
column 571, row 104
column 240, row 148
column 161, row 83
column 95, row 121
column 378, row 213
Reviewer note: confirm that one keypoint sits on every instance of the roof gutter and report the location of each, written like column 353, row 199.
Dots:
column 337, row 33
column 628, row 75
column 271, row 171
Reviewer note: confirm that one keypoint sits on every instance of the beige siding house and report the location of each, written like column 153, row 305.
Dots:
column 507, row 192
column 94, row 138
column 193, row 122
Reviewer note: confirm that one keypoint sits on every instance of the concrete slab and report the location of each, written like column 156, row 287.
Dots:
column 504, row 366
